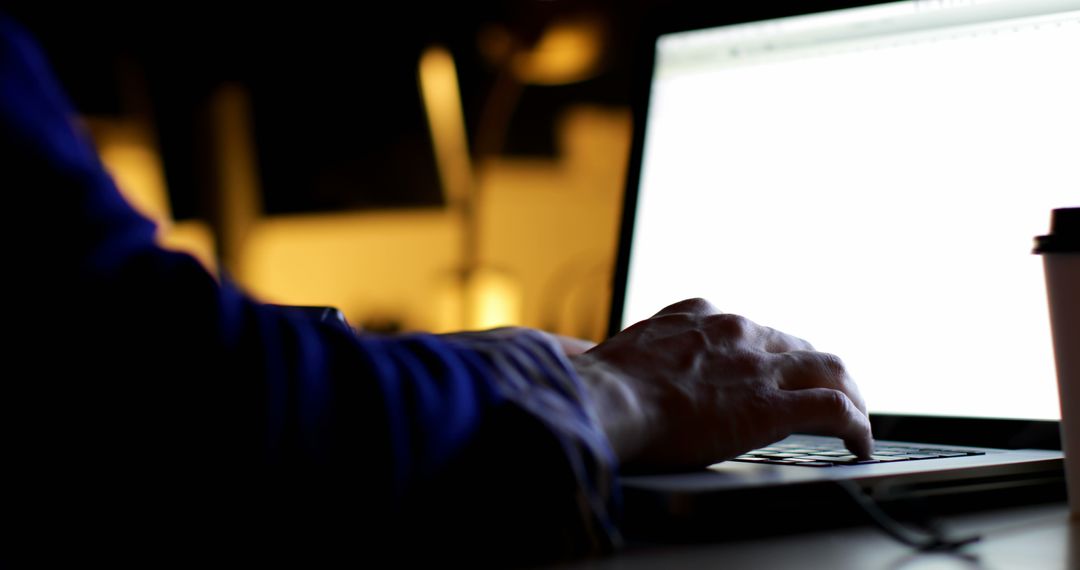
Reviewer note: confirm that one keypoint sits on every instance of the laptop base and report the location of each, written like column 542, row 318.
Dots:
column 670, row 516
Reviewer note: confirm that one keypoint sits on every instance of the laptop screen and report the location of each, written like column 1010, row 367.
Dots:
column 871, row 180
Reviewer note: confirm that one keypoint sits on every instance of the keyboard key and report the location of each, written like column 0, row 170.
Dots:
column 816, row 454
column 845, row 459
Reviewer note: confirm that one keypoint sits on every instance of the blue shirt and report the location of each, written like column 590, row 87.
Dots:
column 151, row 410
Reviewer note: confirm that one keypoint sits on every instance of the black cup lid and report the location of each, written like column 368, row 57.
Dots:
column 1064, row 236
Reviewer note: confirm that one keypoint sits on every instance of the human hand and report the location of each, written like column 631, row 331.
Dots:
column 692, row 386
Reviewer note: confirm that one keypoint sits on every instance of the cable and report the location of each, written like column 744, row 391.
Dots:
column 922, row 539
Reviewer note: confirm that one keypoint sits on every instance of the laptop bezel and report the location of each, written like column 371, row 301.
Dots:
column 976, row 432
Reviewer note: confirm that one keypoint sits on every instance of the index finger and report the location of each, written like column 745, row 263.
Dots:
column 824, row 411
column 801, row 369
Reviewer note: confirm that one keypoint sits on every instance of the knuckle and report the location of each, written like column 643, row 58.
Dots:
column 695, row 305
column 730, row 325
column 835, row 403
column 832, row 365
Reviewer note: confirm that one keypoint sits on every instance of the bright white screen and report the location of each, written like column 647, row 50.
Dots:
column 871, row 180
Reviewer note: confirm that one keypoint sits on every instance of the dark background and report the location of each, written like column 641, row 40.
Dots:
column 337, row 111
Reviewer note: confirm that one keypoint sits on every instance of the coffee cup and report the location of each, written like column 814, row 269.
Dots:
column 1060, row 250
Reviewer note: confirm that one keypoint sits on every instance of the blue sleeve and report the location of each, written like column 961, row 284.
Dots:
column 191, row 415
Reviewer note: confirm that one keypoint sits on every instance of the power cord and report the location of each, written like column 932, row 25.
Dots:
column 922, row 539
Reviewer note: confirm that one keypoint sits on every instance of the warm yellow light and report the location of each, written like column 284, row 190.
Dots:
column 494, row 299
column 236, row 170
column 491, row 297
column 568, row 51
column 442, row 102
column 375, row 265
column 193, row 237
column 136, row 167
column 130, row 156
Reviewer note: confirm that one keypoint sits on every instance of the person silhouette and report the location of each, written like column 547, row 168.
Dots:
column 161, row 414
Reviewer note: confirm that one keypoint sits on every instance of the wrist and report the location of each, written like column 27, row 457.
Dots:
column 618, row 405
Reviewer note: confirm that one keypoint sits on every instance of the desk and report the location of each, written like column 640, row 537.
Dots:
column 1035, row 538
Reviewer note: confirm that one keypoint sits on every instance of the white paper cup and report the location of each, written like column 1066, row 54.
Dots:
column 1061, row 262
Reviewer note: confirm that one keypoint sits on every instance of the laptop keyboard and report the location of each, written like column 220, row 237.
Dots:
column 815, row 453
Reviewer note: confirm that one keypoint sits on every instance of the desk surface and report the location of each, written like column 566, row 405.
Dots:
column 1038, row 537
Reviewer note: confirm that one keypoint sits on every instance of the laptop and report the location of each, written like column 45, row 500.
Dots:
column 869, row 178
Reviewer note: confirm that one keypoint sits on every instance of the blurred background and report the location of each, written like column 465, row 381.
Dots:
column 421, row 166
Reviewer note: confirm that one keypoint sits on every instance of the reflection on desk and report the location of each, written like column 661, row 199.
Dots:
column 1037, row 537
